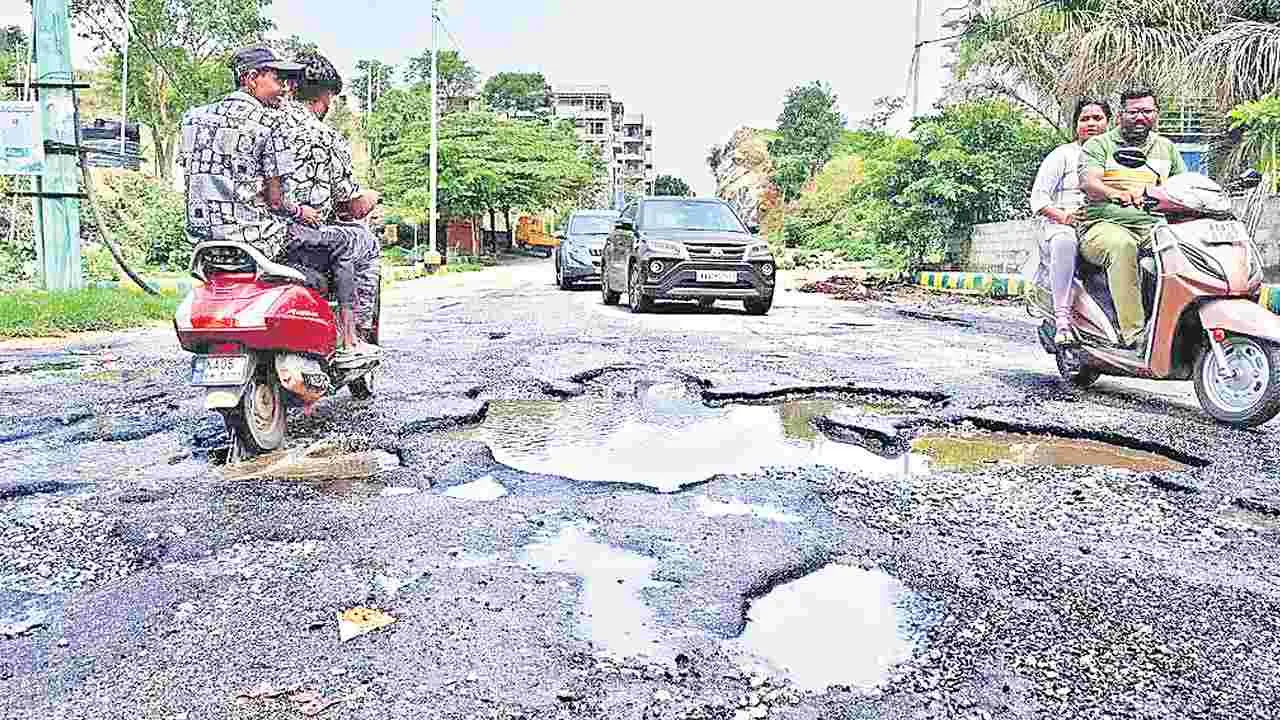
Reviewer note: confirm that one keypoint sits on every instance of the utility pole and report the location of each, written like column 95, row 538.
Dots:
column 435, row 137
column 915, row 62
column 57, row 209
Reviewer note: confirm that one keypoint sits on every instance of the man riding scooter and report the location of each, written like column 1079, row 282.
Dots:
column 1115, row 225
column 325, row 178
column 236, row 153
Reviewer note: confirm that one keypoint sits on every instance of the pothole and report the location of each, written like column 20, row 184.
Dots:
column 972, row 451
column 840, row 625
column 323, row 461
column 665, row 437
column 613, row 614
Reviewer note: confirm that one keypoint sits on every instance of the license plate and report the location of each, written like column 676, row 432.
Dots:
column 716, row 276
column 1224, row 232
column 218, row 369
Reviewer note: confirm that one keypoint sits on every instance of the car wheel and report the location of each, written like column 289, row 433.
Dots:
column 758, row 306
column 608, row 296
column 639, row 302
column 561, row 282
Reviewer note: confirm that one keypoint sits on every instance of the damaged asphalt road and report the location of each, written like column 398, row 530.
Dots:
column 838, row 510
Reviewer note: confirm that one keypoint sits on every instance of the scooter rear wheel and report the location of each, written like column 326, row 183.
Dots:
column 1251, row 395
column 257, row 424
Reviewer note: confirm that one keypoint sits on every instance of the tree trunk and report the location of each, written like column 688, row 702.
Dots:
column 164, row 156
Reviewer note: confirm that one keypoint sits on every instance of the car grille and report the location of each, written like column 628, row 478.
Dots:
column 708, row 251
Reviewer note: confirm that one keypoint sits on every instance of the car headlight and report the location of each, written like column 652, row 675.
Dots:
column 667, row 247
column 759, row 250
column 655, row 267
column 766, row 269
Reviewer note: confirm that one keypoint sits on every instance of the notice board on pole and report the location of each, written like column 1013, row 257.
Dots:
column 21, row 139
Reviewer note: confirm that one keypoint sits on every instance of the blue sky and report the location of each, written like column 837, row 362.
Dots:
column 698, row 69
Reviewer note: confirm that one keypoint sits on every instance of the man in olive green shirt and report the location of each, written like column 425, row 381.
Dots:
column 1115, row 224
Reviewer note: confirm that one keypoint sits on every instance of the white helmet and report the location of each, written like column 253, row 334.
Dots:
column 1198, row 193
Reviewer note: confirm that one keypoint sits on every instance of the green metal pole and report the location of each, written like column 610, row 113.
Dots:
column 57, row 219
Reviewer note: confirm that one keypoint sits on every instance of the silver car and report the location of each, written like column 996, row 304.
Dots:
column 578, row 254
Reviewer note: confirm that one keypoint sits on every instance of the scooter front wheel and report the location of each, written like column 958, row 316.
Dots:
column 257, row 424
column 1246, row 393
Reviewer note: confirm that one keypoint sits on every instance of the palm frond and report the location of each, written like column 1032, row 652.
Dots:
column 1241, row 62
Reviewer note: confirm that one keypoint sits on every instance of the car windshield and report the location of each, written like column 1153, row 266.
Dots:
column 690, row 215
column 591, row 225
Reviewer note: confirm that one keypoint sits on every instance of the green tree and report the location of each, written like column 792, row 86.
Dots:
column 13, row 48
column 372, row 79
column 178, row 56
column 515, row 91
column 883, row 111
column 340, row 117
column 458, row 78
column 671, row 185
column 1259, row 124
column 489, row 164
column 971, row 163
column 395, row 112
column 808, row 128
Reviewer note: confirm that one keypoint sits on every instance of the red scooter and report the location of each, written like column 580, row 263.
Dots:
column 264, row 336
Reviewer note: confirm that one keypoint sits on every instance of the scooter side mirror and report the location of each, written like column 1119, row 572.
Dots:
column 1249, row 179
column 1130, row 157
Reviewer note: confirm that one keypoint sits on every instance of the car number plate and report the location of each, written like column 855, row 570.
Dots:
column 218, row 369
column 717, row 276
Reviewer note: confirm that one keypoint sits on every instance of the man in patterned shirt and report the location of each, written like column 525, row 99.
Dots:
column 236, row 153
column 324, row 178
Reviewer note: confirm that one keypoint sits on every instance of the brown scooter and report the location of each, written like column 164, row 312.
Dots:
column 1201, row 277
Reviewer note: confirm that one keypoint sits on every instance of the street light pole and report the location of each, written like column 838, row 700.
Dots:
column 915, row 62
column 435, row 139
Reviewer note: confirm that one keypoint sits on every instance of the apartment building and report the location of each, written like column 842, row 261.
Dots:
column 625, row 140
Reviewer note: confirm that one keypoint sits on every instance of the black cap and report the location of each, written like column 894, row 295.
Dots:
column 256, row 57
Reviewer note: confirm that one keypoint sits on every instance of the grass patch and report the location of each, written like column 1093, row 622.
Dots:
column 32, row 313
column 460, row 267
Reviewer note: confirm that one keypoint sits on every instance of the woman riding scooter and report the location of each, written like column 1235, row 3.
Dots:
column 1057, row 197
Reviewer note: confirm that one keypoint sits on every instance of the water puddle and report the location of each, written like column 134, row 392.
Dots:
column 971, row 452
column 483, row 490
column 665, row 437
column 841, row 625
column 319, row 461
column 613, row 614
column 719, row 508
